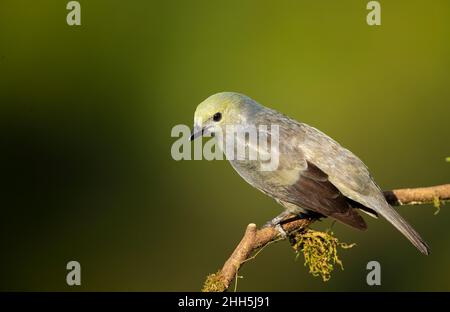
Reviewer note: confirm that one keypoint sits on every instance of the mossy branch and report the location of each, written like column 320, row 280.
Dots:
column 320, row 251
column 254, row 239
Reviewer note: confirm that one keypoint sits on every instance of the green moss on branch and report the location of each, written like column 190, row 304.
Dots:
column 320, row 251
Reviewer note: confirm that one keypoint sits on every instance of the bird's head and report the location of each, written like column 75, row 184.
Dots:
column 221, row 110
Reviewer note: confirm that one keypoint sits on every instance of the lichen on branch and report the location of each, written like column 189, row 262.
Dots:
column 214, row 283
column 320, row 251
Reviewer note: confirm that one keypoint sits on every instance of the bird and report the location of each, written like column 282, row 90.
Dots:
column 315, row 176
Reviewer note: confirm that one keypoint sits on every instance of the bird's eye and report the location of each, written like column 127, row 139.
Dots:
column 217, row 116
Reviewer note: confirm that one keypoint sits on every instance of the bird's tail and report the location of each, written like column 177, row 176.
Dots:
column 400, row 224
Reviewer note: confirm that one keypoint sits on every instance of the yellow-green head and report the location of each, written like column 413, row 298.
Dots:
column 220, row 110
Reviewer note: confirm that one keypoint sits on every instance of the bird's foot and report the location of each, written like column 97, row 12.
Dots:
column 281, row 231
column 287, row 216
column 278, row 227
column 276, row 223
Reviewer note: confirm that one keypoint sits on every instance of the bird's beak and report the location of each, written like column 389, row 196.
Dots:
column 196, row 132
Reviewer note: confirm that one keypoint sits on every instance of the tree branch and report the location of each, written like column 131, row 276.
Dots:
column 418, row 196
column 255, row 239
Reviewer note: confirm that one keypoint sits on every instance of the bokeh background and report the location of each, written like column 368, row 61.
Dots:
column 86, row 114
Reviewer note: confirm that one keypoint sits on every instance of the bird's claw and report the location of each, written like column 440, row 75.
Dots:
column 281, row 231
column 277, row 227
column 275, row 223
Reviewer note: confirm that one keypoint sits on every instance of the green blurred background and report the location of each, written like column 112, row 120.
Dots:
column 87, row 111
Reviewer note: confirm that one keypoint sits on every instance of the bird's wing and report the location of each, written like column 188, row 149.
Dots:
column 352, row 178
column 313, row 191
column 345, row 171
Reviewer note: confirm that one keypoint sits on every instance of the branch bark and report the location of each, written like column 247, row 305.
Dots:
column 254, row 238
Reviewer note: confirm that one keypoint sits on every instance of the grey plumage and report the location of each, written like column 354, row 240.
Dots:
column 315, row 173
